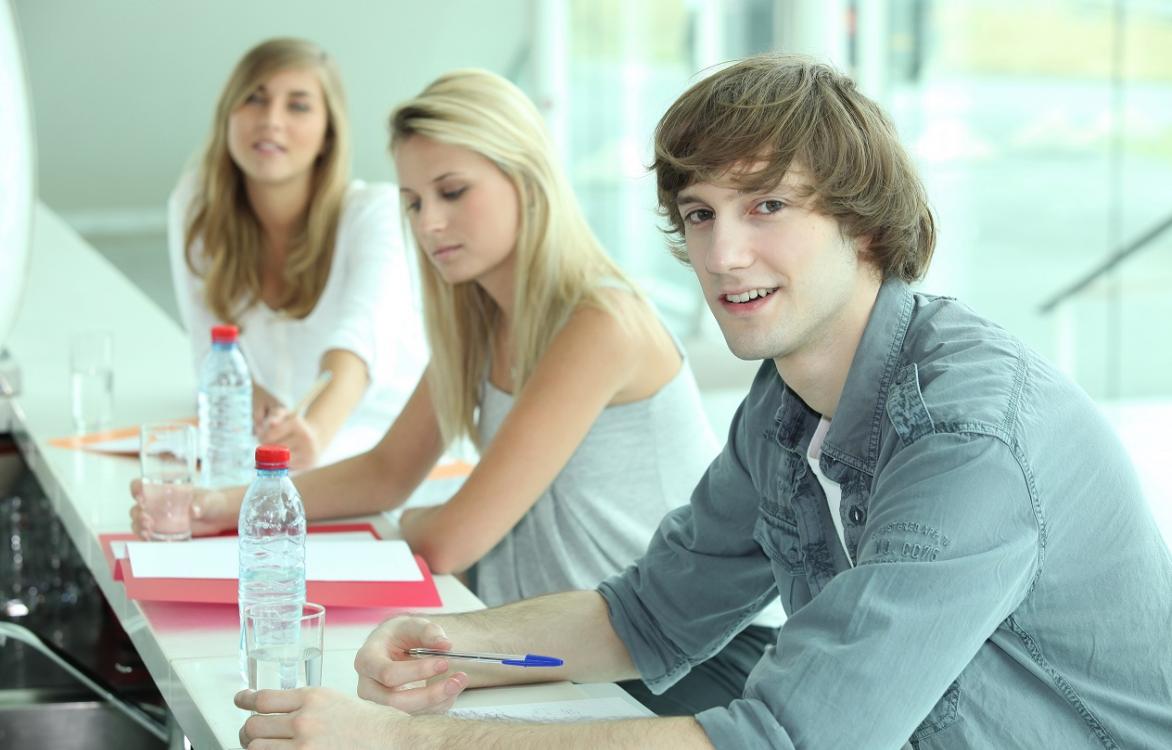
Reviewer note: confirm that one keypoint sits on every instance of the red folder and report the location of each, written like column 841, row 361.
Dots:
column 223, row 590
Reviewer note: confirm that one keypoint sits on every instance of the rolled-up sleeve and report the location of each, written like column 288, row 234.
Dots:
column 952, row 546
column 702, row 579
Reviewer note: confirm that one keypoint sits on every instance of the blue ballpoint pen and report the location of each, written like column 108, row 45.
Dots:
column 511, row 660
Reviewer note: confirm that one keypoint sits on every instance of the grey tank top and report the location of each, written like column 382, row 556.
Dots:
column 639, row 460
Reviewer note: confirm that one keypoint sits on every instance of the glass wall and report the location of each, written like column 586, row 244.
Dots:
column 1043, row 129
column 1044, row 132
column 620, row 65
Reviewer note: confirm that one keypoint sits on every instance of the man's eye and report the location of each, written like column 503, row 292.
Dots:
column 771, row 206
column 698, row 216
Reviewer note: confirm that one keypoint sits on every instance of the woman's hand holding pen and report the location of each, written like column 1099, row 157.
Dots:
column 263, row 404
column 294, row 431
column 276, row 425
column 389, row 675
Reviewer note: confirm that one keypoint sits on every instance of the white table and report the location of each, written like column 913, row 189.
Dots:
column 190, row 650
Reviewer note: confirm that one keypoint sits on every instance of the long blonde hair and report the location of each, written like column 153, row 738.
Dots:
column 222, row 217
column 559, row 264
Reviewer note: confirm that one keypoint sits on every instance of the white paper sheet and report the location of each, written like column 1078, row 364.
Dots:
column 341, row 556
column 587, row 709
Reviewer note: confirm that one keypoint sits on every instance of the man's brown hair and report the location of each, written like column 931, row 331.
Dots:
column 787, row 110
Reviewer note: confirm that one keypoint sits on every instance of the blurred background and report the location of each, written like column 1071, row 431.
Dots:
column 1043, row 129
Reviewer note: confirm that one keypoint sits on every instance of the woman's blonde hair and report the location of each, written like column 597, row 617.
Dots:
column 559, row 263
column 222, row 217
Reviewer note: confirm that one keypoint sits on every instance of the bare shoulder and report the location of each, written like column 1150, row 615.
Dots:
column 627, row 334
column 620, row 325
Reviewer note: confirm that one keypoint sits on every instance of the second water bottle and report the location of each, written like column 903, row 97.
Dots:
column 225, row 413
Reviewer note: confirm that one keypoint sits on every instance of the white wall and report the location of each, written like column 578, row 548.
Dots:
column 123, row 90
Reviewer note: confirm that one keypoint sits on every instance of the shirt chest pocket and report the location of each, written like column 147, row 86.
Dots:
column 778, row 538
column 942, row 716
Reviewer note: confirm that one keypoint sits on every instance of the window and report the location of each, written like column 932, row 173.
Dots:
column 611, row 69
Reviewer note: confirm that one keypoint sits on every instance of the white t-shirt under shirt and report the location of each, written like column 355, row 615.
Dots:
column 370, row 306
column 829, row 487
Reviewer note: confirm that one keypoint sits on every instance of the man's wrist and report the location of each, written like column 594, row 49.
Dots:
column 395, row 730
column 417, row 732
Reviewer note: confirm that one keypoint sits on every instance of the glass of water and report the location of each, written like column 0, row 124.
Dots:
column 167, row 456
column 91, row 379
column 283, row 643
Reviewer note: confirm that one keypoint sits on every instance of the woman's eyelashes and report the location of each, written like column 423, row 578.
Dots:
column 296, row 105
column 447, row 194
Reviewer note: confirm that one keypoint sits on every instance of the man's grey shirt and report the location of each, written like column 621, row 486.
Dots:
column 1007, row 585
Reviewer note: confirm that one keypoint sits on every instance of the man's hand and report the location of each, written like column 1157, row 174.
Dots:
column 314, row 719
column 211, row 512
column 286, row 428
column 389, row 676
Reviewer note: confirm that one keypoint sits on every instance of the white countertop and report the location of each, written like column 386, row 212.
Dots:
column 189, row 649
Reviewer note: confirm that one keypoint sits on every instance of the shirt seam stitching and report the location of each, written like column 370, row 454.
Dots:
column 1065, row 689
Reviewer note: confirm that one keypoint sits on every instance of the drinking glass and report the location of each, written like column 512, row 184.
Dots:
column 283, row 643
column 91, row 379
column 167, row 455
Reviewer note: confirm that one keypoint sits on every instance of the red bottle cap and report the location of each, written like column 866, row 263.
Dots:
column 272, row 457
column 224, row 334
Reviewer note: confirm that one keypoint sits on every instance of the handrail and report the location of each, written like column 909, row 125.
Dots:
column 1116, row 258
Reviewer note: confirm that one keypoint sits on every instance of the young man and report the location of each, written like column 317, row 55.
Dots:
column 957, row 536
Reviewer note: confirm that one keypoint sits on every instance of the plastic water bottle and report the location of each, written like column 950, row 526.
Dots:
column 272, row 543
column 225, row 413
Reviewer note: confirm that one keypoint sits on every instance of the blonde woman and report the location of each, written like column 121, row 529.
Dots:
column 271, row 234
column 544, row 353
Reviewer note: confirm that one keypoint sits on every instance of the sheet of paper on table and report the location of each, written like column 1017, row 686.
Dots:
column 586, row 709
column 340, row 557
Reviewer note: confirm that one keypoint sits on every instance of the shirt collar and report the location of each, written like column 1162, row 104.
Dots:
column 854, row 432
column 853, row 438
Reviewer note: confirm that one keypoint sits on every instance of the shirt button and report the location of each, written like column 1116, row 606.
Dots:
column 857, row 515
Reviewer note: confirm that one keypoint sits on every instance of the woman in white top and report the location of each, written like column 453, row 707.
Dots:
column 270, row 234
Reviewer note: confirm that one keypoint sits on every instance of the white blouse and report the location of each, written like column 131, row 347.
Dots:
column 370, row 306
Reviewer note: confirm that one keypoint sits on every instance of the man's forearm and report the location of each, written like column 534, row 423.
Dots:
column 442, row 732
column 573, row 626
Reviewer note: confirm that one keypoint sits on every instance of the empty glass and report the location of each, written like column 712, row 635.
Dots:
column 167, row 455
column 91, row 379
